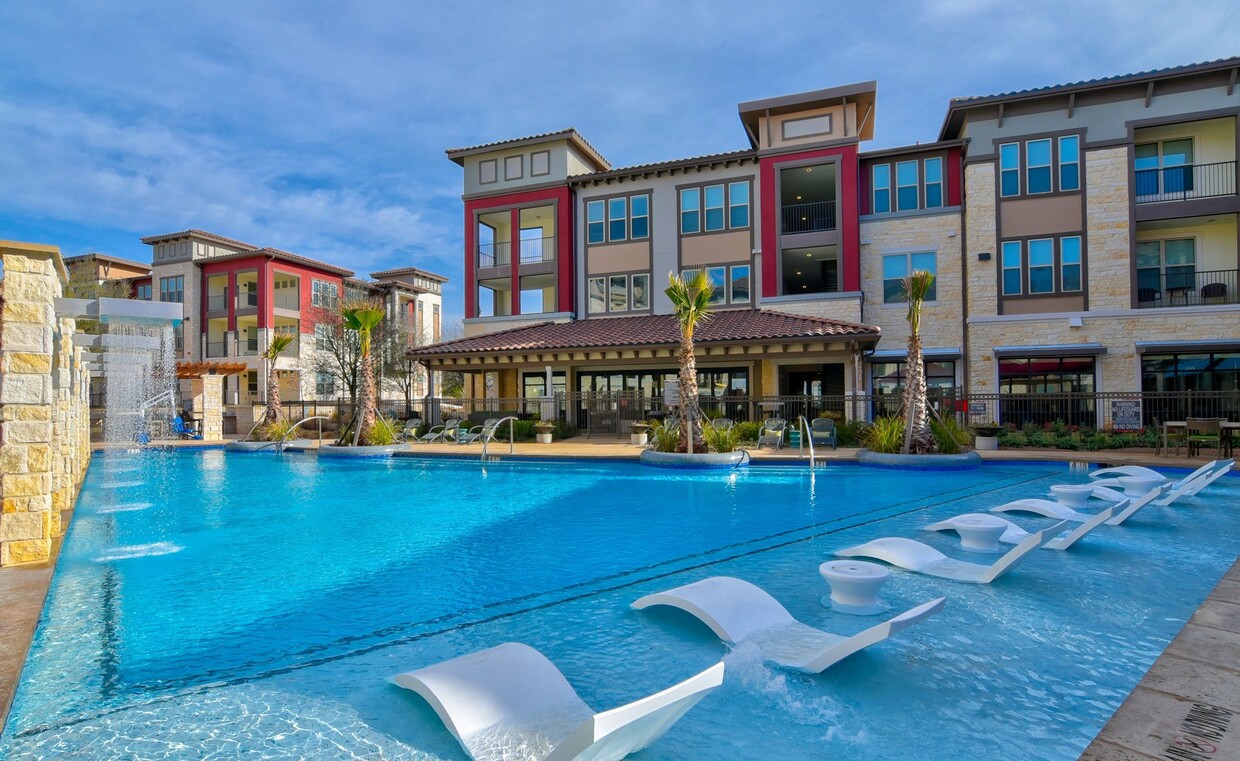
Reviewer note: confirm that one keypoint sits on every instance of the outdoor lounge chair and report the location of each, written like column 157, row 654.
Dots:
column 772, row 432
column 912, row 555
column 1014, row 534
column 183, row 431
column 509, row 701
column 440, row 432
column 822, row 431
column 737, row 611
column 411, row 428
column 722, row 424
column 1185, row 487
column 1127, row 507
column 478, row 431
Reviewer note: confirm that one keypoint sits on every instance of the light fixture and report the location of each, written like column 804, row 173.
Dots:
column 809, row 169
column 808, row 256
column 798, row 273
column 804, row 287
column 798, row 198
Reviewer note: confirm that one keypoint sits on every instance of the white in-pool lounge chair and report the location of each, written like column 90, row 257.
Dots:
column 912, row 555
column 736, row 611
column 1014, row 534
column 1050, row 509
column 1198, row 479
column 509, row 701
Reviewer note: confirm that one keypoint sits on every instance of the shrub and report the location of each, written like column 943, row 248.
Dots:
column 383, row 434
column 851, row 433
column 747, row 431
column 721, row 441
column 1013, row 439
column 949, row 436
column 838, row 417
column 563, row 430
column 277, row 431
column 885, row 436
column 665, row 437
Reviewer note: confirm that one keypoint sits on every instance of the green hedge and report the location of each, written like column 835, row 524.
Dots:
column 1059, row 436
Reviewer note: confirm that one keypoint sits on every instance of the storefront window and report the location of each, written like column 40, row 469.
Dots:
column 1041, row 390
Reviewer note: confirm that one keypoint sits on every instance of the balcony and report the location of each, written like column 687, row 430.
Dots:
column 247, row 300
column 1156, row 290
column 1183, row 183
column 217, row 302
column 247, row 347
column 287, row 299
column 808, row 217
column 536, row 250
column 217, row 349
column 494, row 254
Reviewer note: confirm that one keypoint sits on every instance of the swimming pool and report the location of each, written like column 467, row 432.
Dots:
column 211, row 602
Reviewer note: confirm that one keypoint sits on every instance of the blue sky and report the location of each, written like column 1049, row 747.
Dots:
column 319, row 127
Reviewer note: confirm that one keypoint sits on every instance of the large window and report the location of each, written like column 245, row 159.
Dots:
column 731, row 284
column 1166, row 269
column 614, row 220
column 1041, row 266
column 172, row 289
column 324, row 294
column 889, row 377
column 1191, row 372
column 1040, row 166
column 618, row 293
column 535, row 385
column 713, row 208
column 896, row 267
column 1028, row 380
column 918, row 184
column 1164, row 167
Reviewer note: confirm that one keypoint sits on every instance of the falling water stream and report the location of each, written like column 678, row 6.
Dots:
column 140, row 380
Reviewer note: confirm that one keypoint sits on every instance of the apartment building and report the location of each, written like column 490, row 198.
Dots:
column 237, row 296
column 1083, row 236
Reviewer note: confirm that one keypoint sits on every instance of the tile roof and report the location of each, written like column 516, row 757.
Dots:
column 692, row 161
column 198, row 234
column 278, row 254
column 732, row 326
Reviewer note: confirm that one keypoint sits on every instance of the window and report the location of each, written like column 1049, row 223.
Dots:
column 1009, row 169
column 906, row 185
column 882, row 188
column 738, row 204
column 1038, row 166
column 713, row 195
column 596, row 221
column 1070, row 162
column 1047, row 375
column 487, row 172
column 618, row 293
column 1013, row 268
column 1070, row 263
column 435, row 324
column 540, row 163
column 896, row 267
column 934, row 183
column 740, row 284
column 641, row 291
column 639, row 206
column 324, row 294
column 172, row 289
column 887, row 378
column 806, row 126
column 144, row 292
column 597, row 295
column 1190, row 372
column 1042, row 266
column 1166, row 266
column 1164, row 167
column 718, row 277
column 514, row 167
column 251, row 384
column 617, row 219
column 179, row 336
column 690, row 216
column 324, row 385
column 322, row 336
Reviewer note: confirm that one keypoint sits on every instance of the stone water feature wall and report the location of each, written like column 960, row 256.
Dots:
column 44, row 405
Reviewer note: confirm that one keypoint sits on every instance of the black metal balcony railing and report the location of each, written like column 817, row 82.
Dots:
column 809, row 217
column 217, row 302
column 217, row 349
column 537, row 250
column 1181, row 183
column 1184, row 287
column 495, row 254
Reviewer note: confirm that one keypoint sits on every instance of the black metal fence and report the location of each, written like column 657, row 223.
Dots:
column 1179, row 183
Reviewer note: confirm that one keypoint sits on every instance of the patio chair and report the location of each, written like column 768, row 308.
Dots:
column 772, row 432
column 411, row 428
column 722, row 424
column 1168, row 438
column 822, row 431
column 485, row 431
column 1214, row 291
column 440, row 433
column 183, row 431
column 1204, row 432
column 509, row 701
column 737, row 611
column 915, row 556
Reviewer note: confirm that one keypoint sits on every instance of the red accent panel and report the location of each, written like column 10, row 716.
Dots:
column 566, row 233
column 848, row 218
column 955, row 174
column 865, row 176
column 231, row 300
column 266, row 307
column 514, row 258
column 471, row 262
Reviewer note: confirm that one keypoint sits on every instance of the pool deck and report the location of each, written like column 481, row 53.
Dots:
column 1187, row 706
column 1188, row 699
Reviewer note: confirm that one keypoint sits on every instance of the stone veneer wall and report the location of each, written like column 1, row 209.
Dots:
column 942, row 322
column 981, row 236
column 1107, row 223
column 44, row 406
column 846, row 309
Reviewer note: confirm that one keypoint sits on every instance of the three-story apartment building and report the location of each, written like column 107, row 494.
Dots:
column 1084, row 238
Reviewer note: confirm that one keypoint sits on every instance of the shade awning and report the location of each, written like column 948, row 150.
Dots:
column 934, row 355
column 1222, row 346
column 187, row 370
column 1051, row 350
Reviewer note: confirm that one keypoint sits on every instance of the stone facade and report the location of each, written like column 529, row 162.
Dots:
column 208, row 396
column 942, row 324
column 44, row 406
column 980, row 236
column 1107, row 229
column 847, row 309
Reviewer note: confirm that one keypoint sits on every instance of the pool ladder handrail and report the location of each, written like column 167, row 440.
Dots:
column 512, row 422
column 291, row 431
column 805, row 438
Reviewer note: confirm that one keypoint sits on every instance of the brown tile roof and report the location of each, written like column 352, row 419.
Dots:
column 276, row 253
column 198, row 234
column 692, row 162
column 732, row 326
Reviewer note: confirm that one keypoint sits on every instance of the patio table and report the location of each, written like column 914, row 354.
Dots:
column 1227, row 431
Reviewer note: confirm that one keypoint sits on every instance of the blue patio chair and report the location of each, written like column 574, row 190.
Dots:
column 822, row 431
column 182, row 430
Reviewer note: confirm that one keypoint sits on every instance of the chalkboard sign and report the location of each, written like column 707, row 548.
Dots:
column 1126, row 414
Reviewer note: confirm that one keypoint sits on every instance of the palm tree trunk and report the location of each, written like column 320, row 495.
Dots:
column 690, row 415
column 273, row 394
column 917, row 437
column 366, row 402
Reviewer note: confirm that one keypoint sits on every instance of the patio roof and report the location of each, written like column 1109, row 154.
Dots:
column 187, row 369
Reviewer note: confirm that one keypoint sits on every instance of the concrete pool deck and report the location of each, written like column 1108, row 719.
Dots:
column 1193, row 689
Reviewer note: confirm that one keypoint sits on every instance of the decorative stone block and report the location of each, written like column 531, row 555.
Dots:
column 19, row 526
column 27, row 551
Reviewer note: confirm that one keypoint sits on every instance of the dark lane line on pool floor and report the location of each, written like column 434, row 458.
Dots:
column 173, row 689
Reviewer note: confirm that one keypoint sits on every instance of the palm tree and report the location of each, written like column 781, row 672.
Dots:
column 917, row 435
column 363, row 319
column 279, row 342
column 691, row 305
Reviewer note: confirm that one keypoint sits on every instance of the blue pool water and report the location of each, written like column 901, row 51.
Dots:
column 212, row 603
